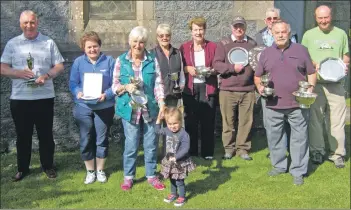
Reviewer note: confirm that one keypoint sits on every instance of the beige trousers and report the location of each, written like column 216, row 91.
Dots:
column 327, row 116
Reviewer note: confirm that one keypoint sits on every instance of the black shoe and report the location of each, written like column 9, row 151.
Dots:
column 245, row 157
column 227, row 156
column 19, row 176
column 50, row 173
column 317, row 158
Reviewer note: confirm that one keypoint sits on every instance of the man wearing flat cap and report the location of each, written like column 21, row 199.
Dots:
column 236, row 91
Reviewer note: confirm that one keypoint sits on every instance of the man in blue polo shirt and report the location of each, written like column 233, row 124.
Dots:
column 288, row 63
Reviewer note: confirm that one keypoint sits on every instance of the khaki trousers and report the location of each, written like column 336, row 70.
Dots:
column 328, row 112
column 230, row 104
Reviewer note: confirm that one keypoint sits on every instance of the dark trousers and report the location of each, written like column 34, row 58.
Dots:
column 200, row 111
column 94, row 127
column 26, row 114
column 178, row 184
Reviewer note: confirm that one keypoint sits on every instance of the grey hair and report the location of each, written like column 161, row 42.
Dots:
column 164, row 28
column 273, row 9
column 29, row 12
column 282, row 22
column 138, row 33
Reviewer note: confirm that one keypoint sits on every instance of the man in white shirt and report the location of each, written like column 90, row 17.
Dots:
column 32, row 103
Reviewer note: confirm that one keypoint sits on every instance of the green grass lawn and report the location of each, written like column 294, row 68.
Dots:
column 348, row 102
column 218, row 184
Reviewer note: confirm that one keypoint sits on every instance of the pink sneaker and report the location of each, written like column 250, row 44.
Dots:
column 155, row 182
column 127, row 184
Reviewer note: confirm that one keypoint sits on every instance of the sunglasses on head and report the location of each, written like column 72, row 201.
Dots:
column 164, row 35
column 272, row 18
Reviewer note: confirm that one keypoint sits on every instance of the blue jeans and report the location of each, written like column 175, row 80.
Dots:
column 93, row 128
column 150, row 142
column 178, row 185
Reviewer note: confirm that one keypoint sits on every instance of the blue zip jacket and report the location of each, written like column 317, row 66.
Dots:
column 105, row 65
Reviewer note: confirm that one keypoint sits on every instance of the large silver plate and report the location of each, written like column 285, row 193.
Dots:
column 254, row 56
column 332, row 69
column 238, row 55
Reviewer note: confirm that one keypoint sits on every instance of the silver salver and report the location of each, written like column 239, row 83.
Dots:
column 332, row 69
column 238, row 55
column 138, row 99
column 254, row 56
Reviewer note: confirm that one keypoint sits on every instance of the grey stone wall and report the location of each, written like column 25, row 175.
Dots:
column 218, row 14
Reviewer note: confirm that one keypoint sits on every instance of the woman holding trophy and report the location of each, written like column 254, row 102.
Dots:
column 171, row 65
column 201, row 89
column 138, row 83
column 90, row 84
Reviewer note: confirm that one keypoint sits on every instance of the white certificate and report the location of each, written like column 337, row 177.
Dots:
column 92, row 85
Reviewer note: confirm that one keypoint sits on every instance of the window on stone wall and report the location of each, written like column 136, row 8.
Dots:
column 112, row 10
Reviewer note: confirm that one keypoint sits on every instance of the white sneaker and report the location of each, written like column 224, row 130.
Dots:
column 90, row 178
column 101, row 176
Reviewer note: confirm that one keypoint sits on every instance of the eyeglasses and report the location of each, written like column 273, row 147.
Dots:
column 272, row 18
column 164, row 35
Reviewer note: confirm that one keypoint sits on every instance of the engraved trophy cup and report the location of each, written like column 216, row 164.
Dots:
column 174, row 77
column 267, row 91
column 138, row 98
column 304, row 98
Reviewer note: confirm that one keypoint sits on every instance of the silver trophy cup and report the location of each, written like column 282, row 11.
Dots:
column 174, row 77
column 267, row 91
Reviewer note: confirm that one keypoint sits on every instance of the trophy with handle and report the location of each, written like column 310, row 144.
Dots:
column 267, row 91
column 174, row 77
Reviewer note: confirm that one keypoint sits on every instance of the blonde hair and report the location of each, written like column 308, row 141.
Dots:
column 164, row 28
column 200, row 21
column 173, row 112
column 138, row 33
column 273, row 9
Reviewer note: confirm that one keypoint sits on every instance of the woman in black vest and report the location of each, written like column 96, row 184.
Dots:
column 170, row 61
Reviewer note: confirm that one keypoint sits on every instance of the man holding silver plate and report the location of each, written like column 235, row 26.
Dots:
column 287, row 64
column 27, row 56
column 328, row 47
column 236, row 89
